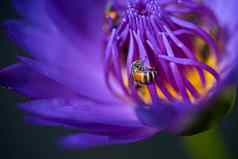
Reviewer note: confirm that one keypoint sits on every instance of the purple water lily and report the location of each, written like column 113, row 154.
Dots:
column 80, row 71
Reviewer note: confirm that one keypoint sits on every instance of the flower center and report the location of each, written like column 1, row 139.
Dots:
column 159, row 50
column 141, row 8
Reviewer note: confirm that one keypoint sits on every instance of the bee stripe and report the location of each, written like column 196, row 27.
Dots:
column 154, row 75
column 145, row 78
column 151, row 76
column 148, row 77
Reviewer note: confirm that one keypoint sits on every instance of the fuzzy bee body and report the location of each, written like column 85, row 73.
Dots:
column 141, row 74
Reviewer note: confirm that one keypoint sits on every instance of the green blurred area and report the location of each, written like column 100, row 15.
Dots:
column 207, row 145
column 19, row 140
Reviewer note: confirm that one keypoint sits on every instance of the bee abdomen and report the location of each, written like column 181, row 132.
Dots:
column 149, row 76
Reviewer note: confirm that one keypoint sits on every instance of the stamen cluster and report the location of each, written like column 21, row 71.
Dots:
column 162, row 36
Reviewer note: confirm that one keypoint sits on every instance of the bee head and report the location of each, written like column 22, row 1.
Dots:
column 137, row 65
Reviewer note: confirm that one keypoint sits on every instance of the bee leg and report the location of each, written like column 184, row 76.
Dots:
column 138, row 85
column 141, row 88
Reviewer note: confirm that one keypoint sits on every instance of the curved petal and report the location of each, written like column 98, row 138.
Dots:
column 33, row 11
column 76, row 15
column 231, row 65
column 225, row 11
column 86, row 83
column 226, row 14
column 81, row 111
column 50, row 45
column 99, row 129
column 77, row 18
column 44, row 39
column 85, row 141
column 24, row 80
column 46, row 42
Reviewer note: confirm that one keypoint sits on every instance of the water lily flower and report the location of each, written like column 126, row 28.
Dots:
column 122, row 71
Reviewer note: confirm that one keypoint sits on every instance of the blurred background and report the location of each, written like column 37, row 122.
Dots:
column 20, row 140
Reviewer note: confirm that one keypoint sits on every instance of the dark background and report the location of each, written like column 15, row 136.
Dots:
column 19, row 140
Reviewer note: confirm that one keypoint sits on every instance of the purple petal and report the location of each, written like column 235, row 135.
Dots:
column 170, row 117
column 77, row 17
column 83, row 112
column 24, row 80
column 80, row 19
column 230, row 65
column 41, row 121
column 226, row 12
column 85, row 141
column 33, row 11
column 40, row 35
column 99, row 129
column 47, row 43
column 50, row 45
column 87, row 83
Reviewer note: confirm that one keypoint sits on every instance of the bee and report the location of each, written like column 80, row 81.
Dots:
column 112, row 14
column 111, row 18
column 141, row 74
